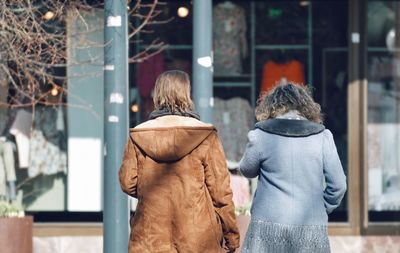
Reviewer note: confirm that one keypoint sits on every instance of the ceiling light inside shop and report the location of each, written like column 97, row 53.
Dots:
column 54, row 91
column 134, row 108
column 183, row 12
column 49, row 15
column 304, row 3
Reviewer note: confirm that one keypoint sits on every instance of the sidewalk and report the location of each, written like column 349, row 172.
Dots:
column 339, row 244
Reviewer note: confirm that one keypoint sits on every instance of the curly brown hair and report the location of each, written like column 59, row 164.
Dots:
column 287, row 97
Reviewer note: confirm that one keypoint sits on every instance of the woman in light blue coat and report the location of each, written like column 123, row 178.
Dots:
column 300, row 176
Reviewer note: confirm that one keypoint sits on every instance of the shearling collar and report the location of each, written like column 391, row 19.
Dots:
column 290, row 127
column 292, row 114
column 164, row 112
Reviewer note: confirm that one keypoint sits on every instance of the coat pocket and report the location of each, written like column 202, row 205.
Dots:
column 216, row 223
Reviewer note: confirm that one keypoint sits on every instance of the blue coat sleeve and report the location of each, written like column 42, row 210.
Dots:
column 334, row 175
column 250, row 163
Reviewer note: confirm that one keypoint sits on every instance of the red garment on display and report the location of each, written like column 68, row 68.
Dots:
column 148, row 71
column 276, row 73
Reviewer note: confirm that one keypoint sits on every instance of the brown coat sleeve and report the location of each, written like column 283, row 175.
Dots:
column 128, row 170
column 218, row 184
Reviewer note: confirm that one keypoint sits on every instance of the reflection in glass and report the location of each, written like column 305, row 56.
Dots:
column 383, row 131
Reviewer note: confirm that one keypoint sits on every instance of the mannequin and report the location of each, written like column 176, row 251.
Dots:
column 7, row 163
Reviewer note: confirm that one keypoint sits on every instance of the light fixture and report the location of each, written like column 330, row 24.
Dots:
column 183, row 12
column 49, row 15
column 54, row 91
column 304, row 3
column 134, row 108
column 391, row 40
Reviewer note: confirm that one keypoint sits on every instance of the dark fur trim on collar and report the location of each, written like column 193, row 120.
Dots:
column 165, row 112
column 290, row 128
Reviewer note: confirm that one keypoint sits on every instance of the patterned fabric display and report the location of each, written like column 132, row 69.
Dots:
column 229, row 33
column 47, row 145
column 233, row 119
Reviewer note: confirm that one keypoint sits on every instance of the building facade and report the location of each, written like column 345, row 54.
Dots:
column 346, row 51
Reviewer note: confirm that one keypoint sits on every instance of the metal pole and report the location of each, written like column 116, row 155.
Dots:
column 115, row 212
column 202, row 59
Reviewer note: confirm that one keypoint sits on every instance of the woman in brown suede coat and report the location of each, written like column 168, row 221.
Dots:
column 175, row 166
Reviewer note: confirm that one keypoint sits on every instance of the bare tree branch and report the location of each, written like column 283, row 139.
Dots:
column 33, row 35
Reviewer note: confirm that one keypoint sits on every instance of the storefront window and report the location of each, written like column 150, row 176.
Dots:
column 174, row 30
column 383, row 131
column 33, row 156
column 63, row 174
column 252, row 41
column 309, row 41
column 51, row 144
column 330, row 78
column 282, row 22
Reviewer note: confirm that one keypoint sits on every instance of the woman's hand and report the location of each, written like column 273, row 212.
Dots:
column 229, row 250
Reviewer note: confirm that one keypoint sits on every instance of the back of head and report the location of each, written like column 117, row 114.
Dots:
column 172, row 92
column 285, row 98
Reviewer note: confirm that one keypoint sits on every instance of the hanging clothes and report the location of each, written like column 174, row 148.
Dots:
column 7, row 118
column 3, row 98
column 233, row 119
column 148, row 71
column 7, row 165
column 229, row 33
column 47, row 144
column 21, row 129
column 280, row 73
column 3, row 121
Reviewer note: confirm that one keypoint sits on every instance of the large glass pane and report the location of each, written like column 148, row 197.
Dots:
column 282, row 22
column 329, row 77
column 51, row 143
column 307, row 35
column 172, row 24
column 172, row 27
column 383, row 111
column 313, row 51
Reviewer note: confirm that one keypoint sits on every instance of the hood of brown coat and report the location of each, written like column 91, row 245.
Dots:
column 170, row 138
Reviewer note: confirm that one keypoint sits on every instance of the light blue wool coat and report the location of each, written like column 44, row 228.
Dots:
column 301, row 181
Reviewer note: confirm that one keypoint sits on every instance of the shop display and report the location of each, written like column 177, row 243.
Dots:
column 383, row 135
column 233, row 118
column 229, row 35
column 381, row 19
column 7, row 169
column 281, row 71
column 147, row 73
column 21, row 129
column 281, row 23
column 7, row 157
column 47, row 144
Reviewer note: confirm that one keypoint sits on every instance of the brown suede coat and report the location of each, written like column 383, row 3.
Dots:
column 175, row 166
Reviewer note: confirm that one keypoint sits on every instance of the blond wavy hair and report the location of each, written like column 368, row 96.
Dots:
column 287, row 97
column 172, row 92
